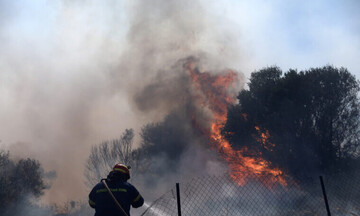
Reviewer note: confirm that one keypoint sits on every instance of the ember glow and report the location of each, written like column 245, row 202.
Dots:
column 213, row 93
column 264, row 137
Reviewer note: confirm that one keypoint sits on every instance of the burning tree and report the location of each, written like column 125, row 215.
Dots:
column 206, row 96
column 214, row 92
column 307, row 122
column 247, row 137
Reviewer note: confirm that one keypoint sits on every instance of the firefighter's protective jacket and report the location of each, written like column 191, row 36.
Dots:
column 125, row 193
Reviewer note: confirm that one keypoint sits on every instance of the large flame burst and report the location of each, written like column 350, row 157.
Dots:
column 213, row 93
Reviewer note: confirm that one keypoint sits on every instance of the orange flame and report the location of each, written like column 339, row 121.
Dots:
column 264, row 139
column 214, row 95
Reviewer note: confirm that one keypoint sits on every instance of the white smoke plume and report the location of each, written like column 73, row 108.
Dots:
column 71, row 72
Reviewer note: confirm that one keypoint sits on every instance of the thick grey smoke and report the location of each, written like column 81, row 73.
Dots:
column 162, row 33
column 161, row 38
column 71, row 76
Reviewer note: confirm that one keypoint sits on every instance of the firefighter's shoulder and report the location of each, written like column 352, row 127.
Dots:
column 99, row 185
column 131, row 187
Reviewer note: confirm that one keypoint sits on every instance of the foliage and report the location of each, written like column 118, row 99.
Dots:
column 311, row 118
column 19, row 180
column 163, row 140
column 105, row 155
column 163, row 143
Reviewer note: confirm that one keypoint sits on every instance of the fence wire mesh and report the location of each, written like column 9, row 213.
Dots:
column 221, row 196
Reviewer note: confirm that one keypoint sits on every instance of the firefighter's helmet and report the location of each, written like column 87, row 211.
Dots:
column 122, row 169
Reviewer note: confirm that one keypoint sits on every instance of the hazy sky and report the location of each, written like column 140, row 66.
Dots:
column 57, row 59
column 296, row 34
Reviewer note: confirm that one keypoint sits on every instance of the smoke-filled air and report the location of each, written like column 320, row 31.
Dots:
column 247, row 91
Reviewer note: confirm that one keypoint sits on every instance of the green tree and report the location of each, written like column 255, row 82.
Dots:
column 19, row 180
column 311, row 118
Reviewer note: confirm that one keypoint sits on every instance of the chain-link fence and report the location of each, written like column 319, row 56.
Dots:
column 220, row 196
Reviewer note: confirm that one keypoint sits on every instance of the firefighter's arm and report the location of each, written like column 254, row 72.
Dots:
column 137, row 199
column 92, row 198
column 92, row 203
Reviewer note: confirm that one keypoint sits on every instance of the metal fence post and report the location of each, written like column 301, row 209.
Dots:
column 178, row 198
column 325, row 197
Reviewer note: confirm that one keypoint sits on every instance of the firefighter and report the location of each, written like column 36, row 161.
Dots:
column 125, row 193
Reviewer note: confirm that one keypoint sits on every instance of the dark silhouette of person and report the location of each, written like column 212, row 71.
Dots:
column 125, row 193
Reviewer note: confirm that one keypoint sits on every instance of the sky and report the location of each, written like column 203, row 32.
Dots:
column 296, row 34
column 68, row 69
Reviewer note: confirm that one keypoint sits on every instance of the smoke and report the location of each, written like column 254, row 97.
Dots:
column 162, row 36
column 75, row 73
column 72, row 75
column 56, row 100
column 25, row 206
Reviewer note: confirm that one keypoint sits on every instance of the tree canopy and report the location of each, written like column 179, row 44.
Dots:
column 304, row 122
column 108, row 153
column 18, row 181
column 165, row 141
